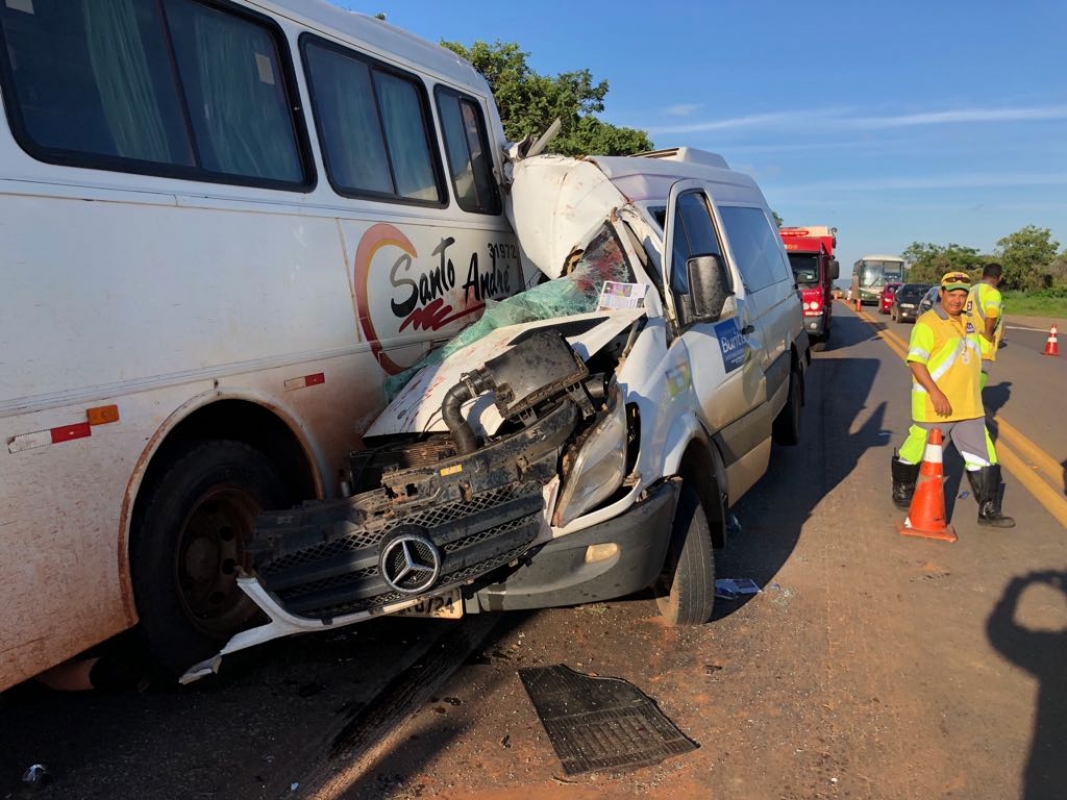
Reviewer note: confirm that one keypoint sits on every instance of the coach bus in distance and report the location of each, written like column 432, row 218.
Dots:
column 225, row 224
column 870, row 275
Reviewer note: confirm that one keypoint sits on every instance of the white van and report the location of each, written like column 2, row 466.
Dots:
column 225, row 224
column 585, row 439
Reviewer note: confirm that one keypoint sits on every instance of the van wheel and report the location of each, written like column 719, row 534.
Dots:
column 786, row 429
column 189, row 542
column 685, row 591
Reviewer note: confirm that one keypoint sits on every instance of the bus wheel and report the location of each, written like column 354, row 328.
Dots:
column 685, row 591
column 188, row 544
column 786, row 429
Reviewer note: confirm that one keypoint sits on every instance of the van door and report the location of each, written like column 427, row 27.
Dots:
column 725, row 357
column 756, row 250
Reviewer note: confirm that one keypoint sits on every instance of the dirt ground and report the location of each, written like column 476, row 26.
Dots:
column 872, row 665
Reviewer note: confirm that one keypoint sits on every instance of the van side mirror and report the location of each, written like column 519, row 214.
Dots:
column 709, row 286
column 835, row 269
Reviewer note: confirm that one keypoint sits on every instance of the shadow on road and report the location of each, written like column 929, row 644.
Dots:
column 1042, row 653
column 774, row 512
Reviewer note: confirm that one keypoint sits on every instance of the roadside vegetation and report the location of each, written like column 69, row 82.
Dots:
column 529, row 103
column 1035, row 269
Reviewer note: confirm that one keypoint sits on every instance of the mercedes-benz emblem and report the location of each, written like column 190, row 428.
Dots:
column 410, row 562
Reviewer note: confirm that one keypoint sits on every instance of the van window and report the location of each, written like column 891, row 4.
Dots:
column 179, row 88
column 754, row 243
column 469, row 160
column 694, row 235
column 374, row 126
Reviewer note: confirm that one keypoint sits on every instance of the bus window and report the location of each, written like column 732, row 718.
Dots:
column 470, row 163
column 92, row 85
column 373, row 125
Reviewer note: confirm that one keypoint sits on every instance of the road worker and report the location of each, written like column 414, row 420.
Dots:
column 985, row 304
column 945, row 358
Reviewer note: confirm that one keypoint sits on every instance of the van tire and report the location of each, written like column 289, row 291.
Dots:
column 685, row 591
column 187, row 544
column 786, row 428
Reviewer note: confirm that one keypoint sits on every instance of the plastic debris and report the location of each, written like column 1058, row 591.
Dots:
column 37, row 775
column 733, row 524
column 732, row 588
column 963, row 495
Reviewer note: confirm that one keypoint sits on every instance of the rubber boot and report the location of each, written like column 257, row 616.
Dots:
column 986, row 485
column 904, row 478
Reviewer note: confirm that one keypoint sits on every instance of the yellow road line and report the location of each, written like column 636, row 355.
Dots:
column 1035, row 469
column 1037, row 458
column 1053, row 502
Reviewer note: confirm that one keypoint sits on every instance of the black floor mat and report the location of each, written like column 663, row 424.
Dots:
column 598, row 724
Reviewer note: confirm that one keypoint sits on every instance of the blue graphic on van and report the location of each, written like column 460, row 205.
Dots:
column 732, row 342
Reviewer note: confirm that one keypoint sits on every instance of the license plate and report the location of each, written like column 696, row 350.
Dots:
column 442, row 606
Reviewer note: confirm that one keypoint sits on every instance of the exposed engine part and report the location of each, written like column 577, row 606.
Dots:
column 534, row 369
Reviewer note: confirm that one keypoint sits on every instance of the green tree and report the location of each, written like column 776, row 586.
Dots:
column 930, row 261
column 1027, row 256
column 530, row 102
column 777, row 219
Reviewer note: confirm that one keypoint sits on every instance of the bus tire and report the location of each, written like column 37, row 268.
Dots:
column 786, row 428
column 188, row 543
column 685, row 591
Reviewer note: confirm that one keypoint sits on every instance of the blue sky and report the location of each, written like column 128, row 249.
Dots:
column 941, row 122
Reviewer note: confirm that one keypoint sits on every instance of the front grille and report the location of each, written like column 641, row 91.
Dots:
column 339, row 577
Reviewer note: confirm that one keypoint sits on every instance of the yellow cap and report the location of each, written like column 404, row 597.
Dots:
column 951, row 281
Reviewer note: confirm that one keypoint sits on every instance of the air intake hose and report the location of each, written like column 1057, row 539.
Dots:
column 470, row 386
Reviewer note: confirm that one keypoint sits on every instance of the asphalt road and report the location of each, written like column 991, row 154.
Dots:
column 870, row 666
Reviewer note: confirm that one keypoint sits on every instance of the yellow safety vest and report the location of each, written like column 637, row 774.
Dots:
column 952, row 352
column 984, row 301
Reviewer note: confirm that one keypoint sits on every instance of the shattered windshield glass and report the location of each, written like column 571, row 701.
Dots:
column 575, row 292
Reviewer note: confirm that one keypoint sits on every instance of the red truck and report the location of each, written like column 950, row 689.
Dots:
column 811, row 255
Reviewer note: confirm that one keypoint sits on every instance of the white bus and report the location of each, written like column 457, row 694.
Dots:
column 225, row 223
column 870, row 275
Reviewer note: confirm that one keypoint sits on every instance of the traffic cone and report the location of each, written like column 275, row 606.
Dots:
column 926, row 516
column 1052, row 347
column 859, row 305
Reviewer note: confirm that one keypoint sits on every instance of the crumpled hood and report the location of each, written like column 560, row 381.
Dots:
column 553, row 203
column 417, row 409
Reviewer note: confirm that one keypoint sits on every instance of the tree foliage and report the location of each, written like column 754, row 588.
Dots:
column 1028, row 257
column 930, row 261
column 530, row 102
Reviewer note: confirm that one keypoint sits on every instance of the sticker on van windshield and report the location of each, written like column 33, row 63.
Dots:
column 732, row 343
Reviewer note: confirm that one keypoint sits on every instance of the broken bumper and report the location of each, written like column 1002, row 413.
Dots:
column 560, row 574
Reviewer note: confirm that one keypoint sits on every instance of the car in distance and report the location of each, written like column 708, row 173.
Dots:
column 931, row 299
column 905, row 306
column 885, row 299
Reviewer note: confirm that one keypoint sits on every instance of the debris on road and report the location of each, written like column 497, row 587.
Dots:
column 732, row 588
column 37, row 775
column 597, row 724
